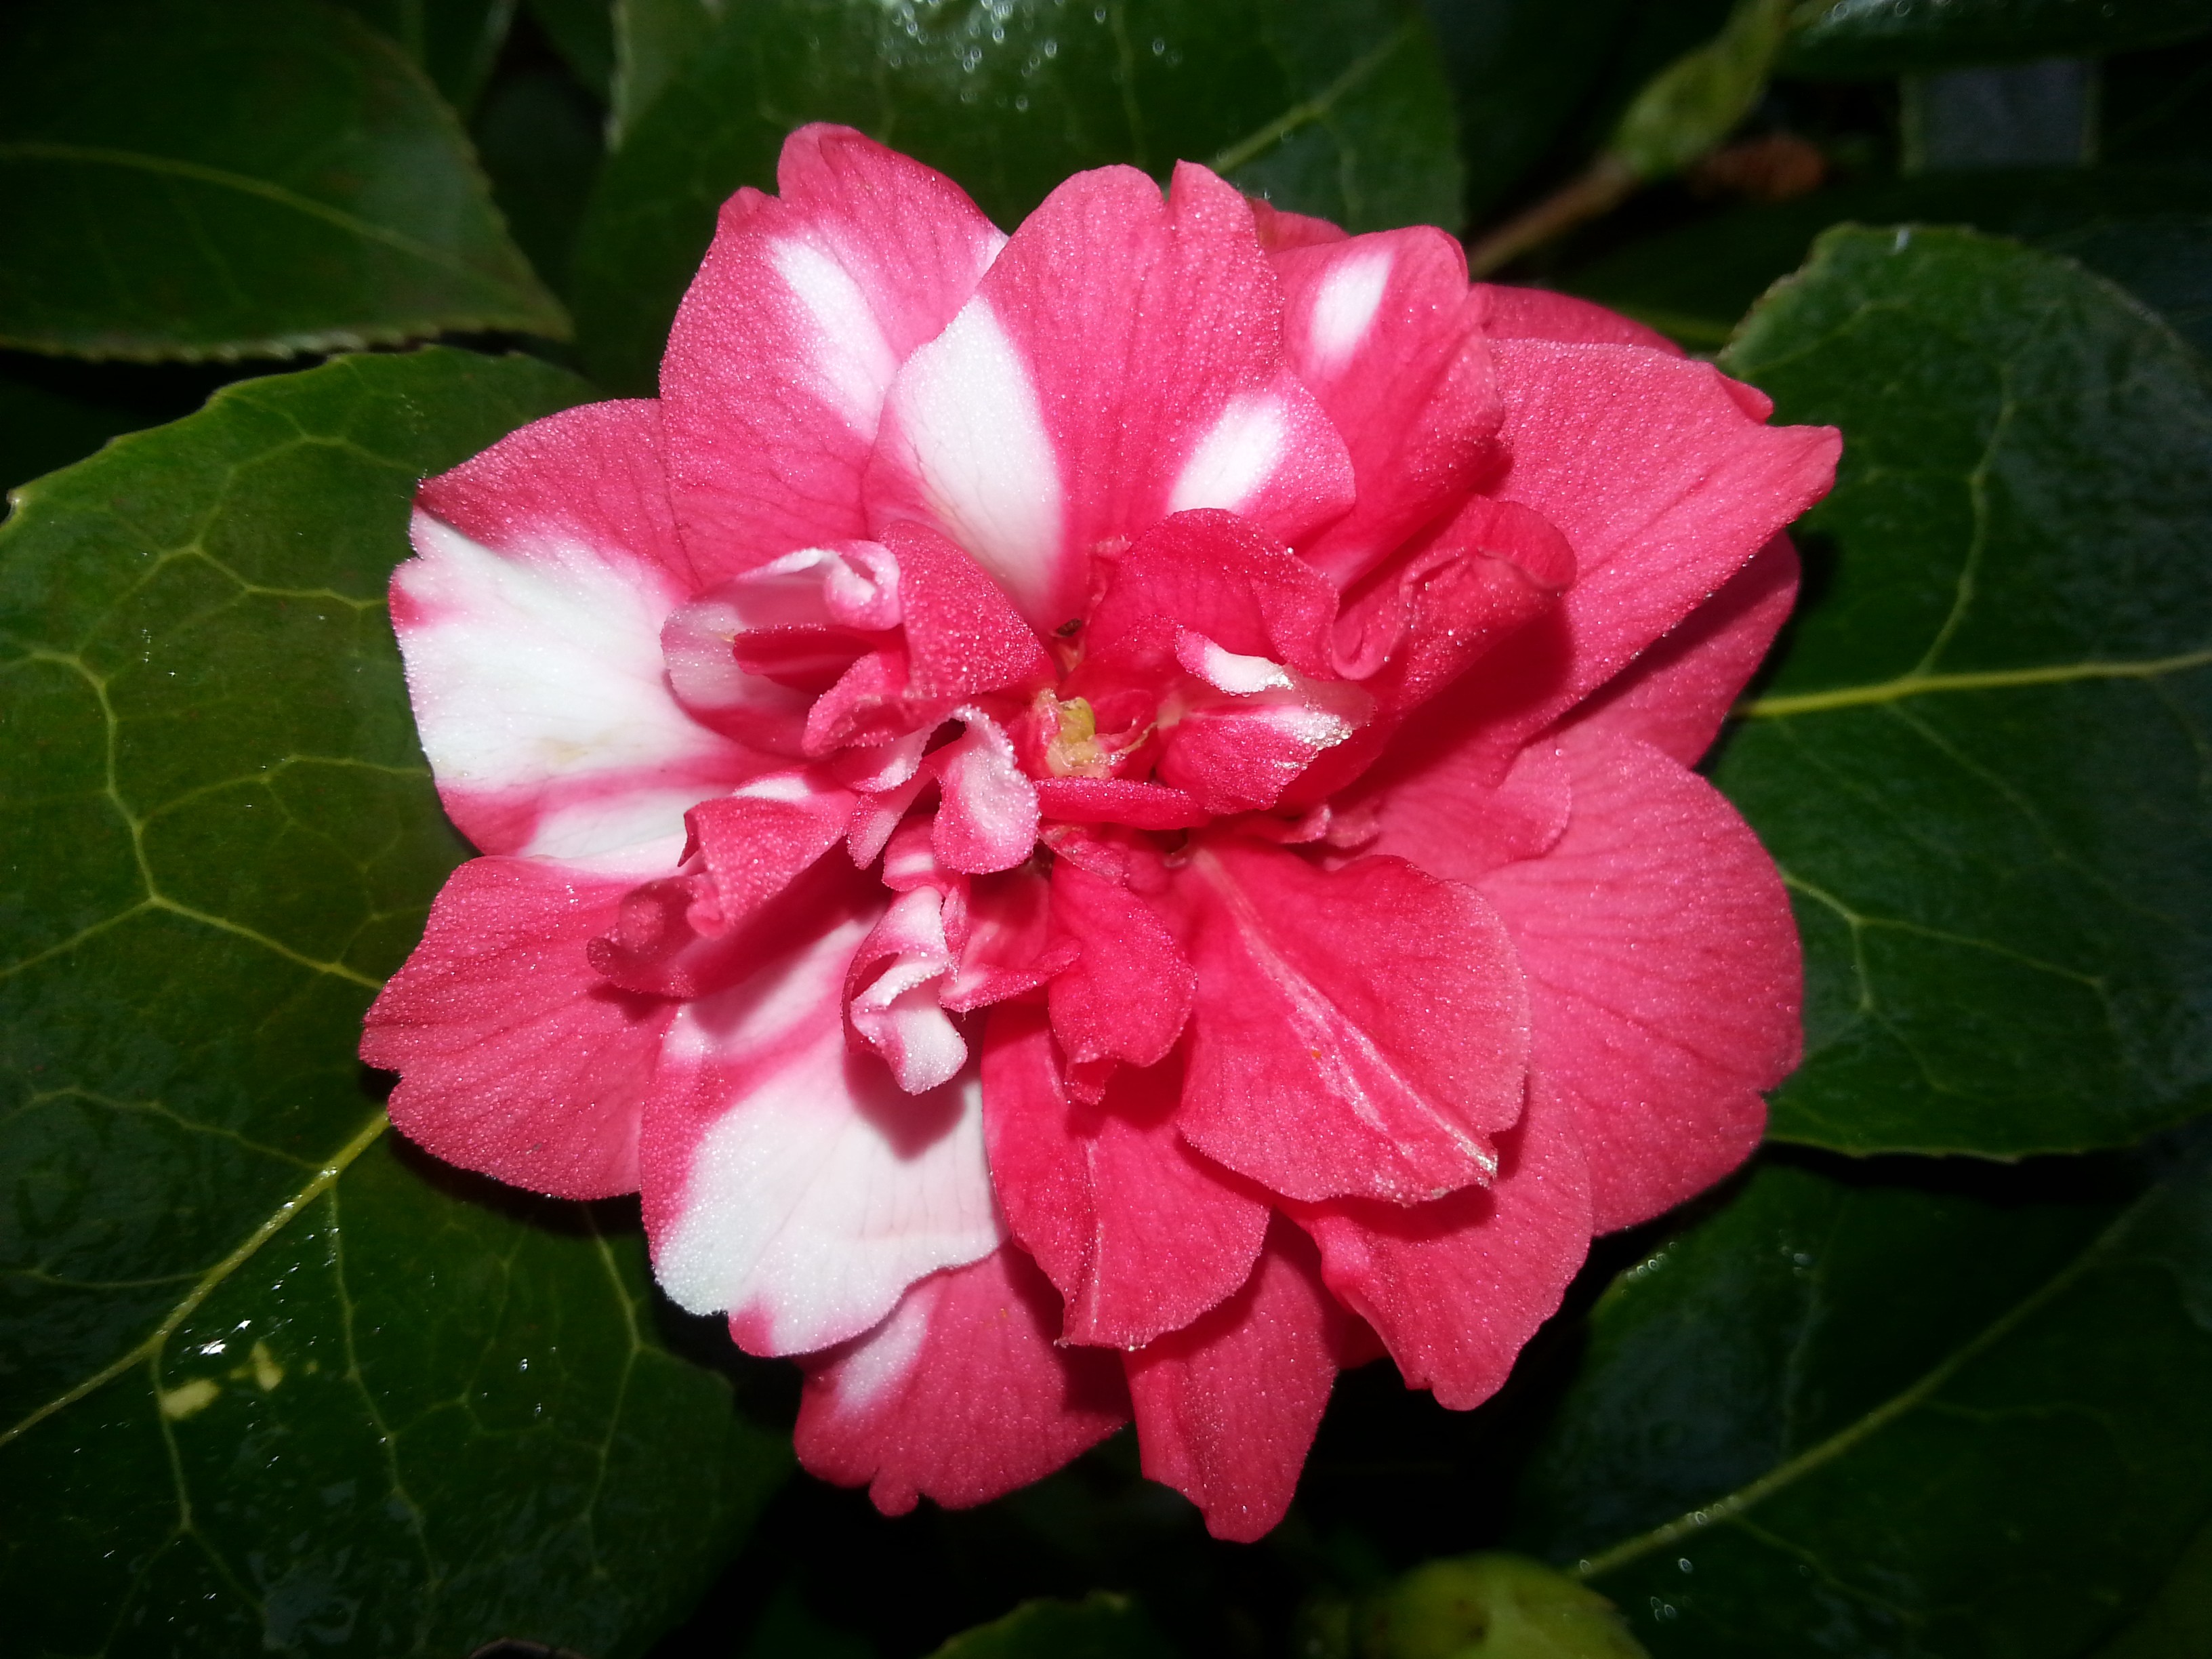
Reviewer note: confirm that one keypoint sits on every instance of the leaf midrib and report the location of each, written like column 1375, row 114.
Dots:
column 1786, row 1474
column 1917, row 684
column 205, row 1285
column 246, row 184
column 1307, row 111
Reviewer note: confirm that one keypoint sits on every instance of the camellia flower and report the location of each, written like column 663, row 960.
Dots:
column 1101, row 820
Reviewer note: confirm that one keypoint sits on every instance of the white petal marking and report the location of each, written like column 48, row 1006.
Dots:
column 1344, row 307
column 823, row 1192
column 1238, row 456
column 978, row 444
column 882, row 1362
column 528, row 670
column 854, row 361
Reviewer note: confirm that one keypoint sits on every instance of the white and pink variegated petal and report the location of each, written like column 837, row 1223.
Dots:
column 892, row 991
column 1226, row 1407
column 1675, row 695
column 515, row 1058
column 530, row 620
column 987, row 819
column 961, row 1396
column 1457, row 1288
column 789, row 1180
column 1383, row 330
column 1665, row 978
column 791, row 332
column 1122, row 361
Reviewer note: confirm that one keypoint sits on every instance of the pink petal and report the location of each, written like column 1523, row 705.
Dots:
column 1449, row 820
column 685, row 936
column 891, row 994
column 1676, row 694
column 530, row 620
column 1240, row 754
column 1665, row 487
column 1664, row 976
column 1226, row 1408
column 1217, row 574
column 1279, row 229
column 1361, row 1031
column 515, row 1058
column 1415, row 625
column 1118, row 800
column 789, row 1180
column 1128, row 994
column 1539, row 314
column 1120, row 361
column 960, row 1395
column 1005, row 941
column 1457, row 1288
column 780, row 355
column 963, row 636
column 1381, row 330
column 1140, row 1233
column 988, row 819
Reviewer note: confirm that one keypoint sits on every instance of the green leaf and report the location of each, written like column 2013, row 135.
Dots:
column 1980, row 763
column 1519, row 71
column 454, row 42
column 1696, row 281
column 1876, row 39
column 1845, row 1417
column 542, row 144
column 2164, row 260
column 1100, row 1626
column 583, row 33
column 267, row 1381
column 1337, row 107
column 2179, row 1620
column 256, row 179
column 653, row 41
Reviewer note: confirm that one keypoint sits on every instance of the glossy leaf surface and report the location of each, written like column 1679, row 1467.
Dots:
column 1846, row 1417
column 2137, row 226
column 1980, row 761
column 1336, row 107
column 266, row 1383
column 256, row 179
column 1875, row 38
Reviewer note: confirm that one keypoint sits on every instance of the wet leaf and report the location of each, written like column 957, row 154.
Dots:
column 1980, row 762
column 1872, row 1417
column 256, row 179
column 266, row 1383
column 1337, row 107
